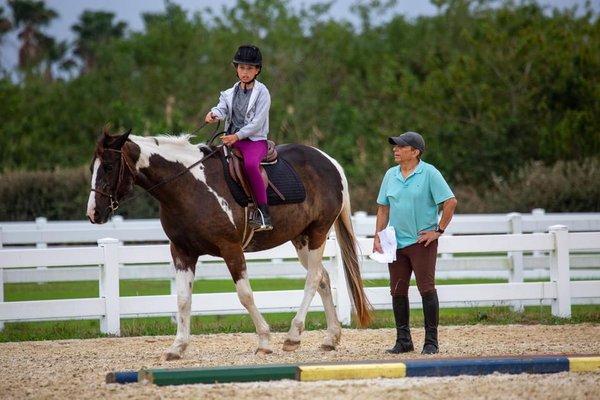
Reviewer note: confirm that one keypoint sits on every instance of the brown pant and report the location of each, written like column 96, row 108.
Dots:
column 419, row 259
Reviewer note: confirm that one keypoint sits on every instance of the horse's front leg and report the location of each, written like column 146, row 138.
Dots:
column 236, row 263
column 185, row 267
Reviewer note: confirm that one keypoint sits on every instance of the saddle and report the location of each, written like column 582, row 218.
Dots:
column 236, row 169
column 281, row 180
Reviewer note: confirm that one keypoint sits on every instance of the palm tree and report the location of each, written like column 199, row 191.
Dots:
column 5, row 27
column 94, row 29
column 30, row 15
column 54, row 53
column 5, row 24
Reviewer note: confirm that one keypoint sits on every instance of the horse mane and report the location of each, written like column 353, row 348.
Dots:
column 183, row 139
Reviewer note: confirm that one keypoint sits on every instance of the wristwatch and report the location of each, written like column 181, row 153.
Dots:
column 439, row 230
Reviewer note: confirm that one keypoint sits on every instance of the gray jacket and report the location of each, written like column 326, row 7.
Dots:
column 257, row 116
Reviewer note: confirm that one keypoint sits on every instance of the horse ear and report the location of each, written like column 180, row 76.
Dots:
column 120, row 141
column 106, row 130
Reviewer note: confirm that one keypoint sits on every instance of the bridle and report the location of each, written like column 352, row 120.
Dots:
column 114, row 202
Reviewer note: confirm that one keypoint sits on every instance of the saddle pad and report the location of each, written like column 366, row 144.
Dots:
column 281, row 174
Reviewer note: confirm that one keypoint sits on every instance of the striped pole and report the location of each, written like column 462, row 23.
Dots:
column 363, row 370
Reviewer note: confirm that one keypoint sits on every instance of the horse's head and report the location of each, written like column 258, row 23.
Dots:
column 112, row 178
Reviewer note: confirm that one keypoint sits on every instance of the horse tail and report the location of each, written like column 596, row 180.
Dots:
column 348, row 245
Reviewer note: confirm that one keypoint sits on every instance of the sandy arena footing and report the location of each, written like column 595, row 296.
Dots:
column 77, row 368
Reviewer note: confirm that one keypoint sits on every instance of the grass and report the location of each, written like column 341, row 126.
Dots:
column 83, row 289
column 279, row 322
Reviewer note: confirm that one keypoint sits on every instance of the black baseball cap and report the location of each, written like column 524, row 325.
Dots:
column 412, row 139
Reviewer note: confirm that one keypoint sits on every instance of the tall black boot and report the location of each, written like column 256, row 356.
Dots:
column 261, row 220
column 404, row 342
column 431, row 312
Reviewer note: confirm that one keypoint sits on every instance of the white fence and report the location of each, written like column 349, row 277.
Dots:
column 559, row 291
column 42, row 233
column 514, row 266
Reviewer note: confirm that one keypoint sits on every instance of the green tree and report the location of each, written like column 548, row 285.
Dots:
column 94, row 29
column 5, row 27
column 30, row 16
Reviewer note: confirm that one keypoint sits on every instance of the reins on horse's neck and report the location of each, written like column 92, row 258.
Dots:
column 114, row 203
column 163, row 182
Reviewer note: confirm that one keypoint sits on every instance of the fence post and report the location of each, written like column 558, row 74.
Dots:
column 343, row 303
column 109, row 286
column 516, row 258
column 536, row 214
column 1, row 281
column 40, row 224
column 117, row 221
column 559, row 272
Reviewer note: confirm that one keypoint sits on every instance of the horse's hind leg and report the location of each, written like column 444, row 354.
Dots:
column 236, row 264
column 314, row 250
column 185, row 267
column 334, row 330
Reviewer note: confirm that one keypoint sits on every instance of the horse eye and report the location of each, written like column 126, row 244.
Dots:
column 107, row 167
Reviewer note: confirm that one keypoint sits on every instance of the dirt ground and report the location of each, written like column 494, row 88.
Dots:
column 76, row 369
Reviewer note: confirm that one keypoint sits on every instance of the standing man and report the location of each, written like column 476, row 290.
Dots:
column 408, row 200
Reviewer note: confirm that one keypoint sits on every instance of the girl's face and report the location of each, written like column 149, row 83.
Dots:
column 246, row 72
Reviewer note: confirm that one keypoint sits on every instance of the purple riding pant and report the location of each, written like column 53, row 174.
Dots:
column 253, row 153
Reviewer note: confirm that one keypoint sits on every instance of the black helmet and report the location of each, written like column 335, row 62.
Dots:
column 248, row 54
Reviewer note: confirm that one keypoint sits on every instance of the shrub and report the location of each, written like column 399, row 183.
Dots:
column 57, row 195
column 567, row 186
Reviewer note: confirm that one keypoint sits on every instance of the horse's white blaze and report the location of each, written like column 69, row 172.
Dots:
column 91, row 206
column 177, row 149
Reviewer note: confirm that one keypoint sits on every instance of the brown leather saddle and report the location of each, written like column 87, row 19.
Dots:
column 235, row 164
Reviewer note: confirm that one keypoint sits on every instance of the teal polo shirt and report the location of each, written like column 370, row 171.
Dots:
column 413, row 201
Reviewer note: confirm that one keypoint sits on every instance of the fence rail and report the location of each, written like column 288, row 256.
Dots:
column 559, row 291
column 515, row 266
column 42, row 232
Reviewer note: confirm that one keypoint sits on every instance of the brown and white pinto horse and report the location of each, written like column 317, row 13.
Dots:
column 200, row 216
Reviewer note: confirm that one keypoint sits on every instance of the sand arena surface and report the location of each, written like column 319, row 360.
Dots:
column 76, row 368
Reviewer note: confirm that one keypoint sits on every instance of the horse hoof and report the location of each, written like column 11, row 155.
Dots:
column 327, row 347
column 168, row 356
column 263, row 352
column 290, row 345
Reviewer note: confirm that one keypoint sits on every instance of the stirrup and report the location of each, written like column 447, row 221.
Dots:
column 254, row 223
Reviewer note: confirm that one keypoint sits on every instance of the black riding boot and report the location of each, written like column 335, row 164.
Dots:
column 431, row 312
column 404, row 342
column 261, row 219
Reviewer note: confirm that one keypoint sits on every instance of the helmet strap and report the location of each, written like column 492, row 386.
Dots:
column 245, row 84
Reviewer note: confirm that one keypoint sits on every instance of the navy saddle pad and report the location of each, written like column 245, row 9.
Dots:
column 281, row 174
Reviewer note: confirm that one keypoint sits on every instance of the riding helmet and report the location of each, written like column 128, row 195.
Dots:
column 248, row 54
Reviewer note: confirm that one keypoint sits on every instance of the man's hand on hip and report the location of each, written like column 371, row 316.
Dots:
column 428, row 237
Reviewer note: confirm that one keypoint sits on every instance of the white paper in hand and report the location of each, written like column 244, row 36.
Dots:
column 387, row 238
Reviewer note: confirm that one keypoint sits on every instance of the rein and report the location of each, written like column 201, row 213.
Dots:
column 114, row 203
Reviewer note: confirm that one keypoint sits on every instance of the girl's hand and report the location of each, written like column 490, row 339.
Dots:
column 228, row 140
column 210, row 118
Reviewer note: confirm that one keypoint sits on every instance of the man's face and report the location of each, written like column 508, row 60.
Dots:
column 404, row 153
column 246, row 72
